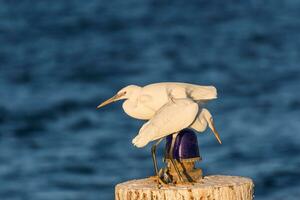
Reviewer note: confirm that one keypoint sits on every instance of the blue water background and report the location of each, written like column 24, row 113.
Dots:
column 59, row 59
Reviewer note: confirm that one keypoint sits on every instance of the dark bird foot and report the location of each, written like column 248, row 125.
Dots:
column 159, row 181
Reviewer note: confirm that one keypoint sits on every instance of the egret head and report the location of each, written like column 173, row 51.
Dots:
column 125, row 93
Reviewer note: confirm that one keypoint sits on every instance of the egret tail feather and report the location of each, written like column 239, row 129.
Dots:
column 139, row 141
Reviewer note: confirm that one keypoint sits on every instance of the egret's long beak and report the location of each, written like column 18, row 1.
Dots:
column 110, row 100
column 215, row 131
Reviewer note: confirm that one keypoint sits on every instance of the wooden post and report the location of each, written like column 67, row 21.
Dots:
column 208, row 188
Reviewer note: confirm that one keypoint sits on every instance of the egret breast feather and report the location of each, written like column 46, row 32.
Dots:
column 138, row 109
column 172, row 117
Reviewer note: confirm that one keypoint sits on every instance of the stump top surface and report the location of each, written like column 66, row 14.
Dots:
column 216, row 181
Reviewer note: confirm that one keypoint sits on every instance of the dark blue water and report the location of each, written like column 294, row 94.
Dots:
column 59, row 59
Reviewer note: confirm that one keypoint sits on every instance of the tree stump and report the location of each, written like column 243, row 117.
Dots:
column 208, row 188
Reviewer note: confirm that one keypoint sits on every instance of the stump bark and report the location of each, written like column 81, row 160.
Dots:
column 208, row 188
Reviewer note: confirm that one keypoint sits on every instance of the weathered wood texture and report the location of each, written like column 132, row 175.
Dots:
column 211, row 188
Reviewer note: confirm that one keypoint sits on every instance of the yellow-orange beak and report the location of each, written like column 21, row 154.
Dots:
column 111, row 100
column 215, row 131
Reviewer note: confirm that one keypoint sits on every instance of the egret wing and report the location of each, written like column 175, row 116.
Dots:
column 170, row 118
column 201, row 93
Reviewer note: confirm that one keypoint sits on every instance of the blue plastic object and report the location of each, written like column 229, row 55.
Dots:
column 185, row 146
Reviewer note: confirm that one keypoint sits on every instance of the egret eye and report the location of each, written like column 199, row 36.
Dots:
column 122, row 93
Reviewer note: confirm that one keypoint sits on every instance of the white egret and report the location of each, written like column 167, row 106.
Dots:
column 169, row 107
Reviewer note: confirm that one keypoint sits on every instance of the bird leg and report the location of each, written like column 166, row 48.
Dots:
column 153, row 152
column 171, row 156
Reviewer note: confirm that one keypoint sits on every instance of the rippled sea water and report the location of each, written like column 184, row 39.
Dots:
column 59, row 59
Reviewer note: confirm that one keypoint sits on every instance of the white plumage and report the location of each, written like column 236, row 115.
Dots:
column 143, row 102
column 169, row 107
column 170, row 118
